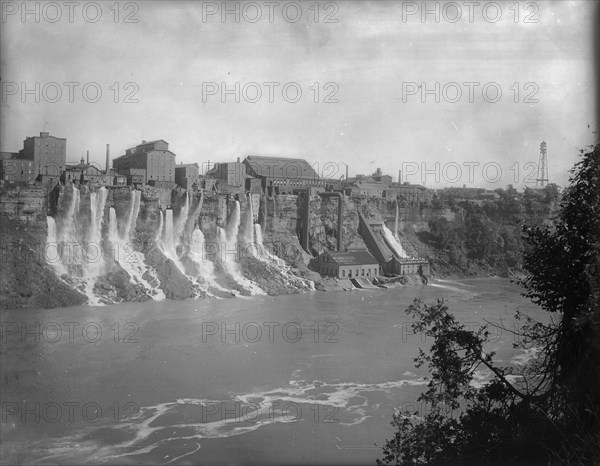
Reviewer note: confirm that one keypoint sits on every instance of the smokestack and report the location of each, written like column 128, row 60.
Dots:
column 399, row 176
column 346, row 172
column 87, row 159
column 107, row 157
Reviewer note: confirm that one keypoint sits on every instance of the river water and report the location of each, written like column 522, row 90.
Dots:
column 303, row 379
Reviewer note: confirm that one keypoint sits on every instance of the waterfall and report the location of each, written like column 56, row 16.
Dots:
column 396, row 221
column 97, row 204
column 228, row 240
column 249, row 245
column 159, row 231
column 169, row 246
column 113, row 234
column 181, row 221
column 96, row 264
column 69, row 237
column 168, row 239
column 206, row 268
column 233, row 225
column 263, row 253
column 52, row 251
column 249, row 233
column 132, row 261
column 393, row 243
column 193, row 217
column 134, row 210
column 81, row 246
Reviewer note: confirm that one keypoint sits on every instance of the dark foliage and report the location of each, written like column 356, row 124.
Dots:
column 550, row 411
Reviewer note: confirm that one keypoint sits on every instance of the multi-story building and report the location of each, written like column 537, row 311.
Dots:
column 229, row 175
column 186, row 174
column 42, row 156
column 48, row 153
column 367, row 188
column 14, row 168
column 154, row 158
column 281, row 175
column 381, row 178
column 412, row 194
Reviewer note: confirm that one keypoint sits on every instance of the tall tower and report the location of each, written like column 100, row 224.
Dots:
column 107, row 158
column 542, row 178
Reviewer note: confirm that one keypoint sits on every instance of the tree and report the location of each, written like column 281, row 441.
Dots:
column 551, row 409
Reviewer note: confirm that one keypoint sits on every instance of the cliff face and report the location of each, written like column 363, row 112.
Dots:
column 147, row 265
column 26, row 279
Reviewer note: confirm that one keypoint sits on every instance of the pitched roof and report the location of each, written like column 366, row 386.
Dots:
column 352, row 257
column 372, row 185
column 280, row 167
column 151, row 142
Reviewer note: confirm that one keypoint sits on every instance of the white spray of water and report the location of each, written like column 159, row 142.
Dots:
column 393, row 243
column 230, row 255
column 125, row 253
column 159, row 231
column 205, row 268
column 396, row 222
column 96, row 263
column 193, row 216
column 263, row 253
column 179, row 225
column 52, row 250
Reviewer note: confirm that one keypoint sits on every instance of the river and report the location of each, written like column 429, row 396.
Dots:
column 309, row 378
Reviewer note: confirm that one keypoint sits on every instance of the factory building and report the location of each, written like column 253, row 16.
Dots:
column 151, row 162
column 280, row 175
column 348, row 264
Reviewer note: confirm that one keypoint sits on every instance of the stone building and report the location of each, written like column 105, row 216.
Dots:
column 409, row 266
column 280, row 175
column 186, row 174
column 348, row 264
column 42, row 155
column 13, row 168
column 48, row 153
column 366, row 188
column 230, row 176
column 154, row 158
column 412, row 194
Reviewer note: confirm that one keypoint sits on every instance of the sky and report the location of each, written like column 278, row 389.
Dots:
column 358, row 66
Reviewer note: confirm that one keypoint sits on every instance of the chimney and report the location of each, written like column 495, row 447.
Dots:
column 87, row 159
column 238, row 160
column 346, row 172
column 107, row 157
column 143, row 141
column 399, row 176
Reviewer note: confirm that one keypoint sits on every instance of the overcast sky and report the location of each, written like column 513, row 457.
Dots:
column 370, row 54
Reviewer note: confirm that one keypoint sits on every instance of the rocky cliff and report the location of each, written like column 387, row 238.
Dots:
column 159, row 243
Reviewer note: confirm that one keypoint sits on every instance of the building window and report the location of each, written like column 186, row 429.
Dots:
column 343, row 273
column 362, row 272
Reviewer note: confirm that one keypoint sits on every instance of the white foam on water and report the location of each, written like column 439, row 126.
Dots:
column 247, row 412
